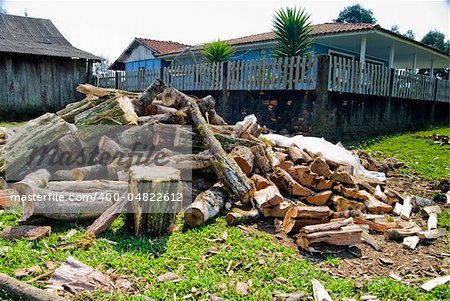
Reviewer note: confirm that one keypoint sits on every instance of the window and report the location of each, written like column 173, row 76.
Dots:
column 341, row 54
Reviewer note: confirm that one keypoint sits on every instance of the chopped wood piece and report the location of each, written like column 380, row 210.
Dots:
column 286, row 165
column 431, row 234
column 278, row 211
column 432, row 221
column 293, row 226
column 93, row 172
column 147, row 97
column 108, row 217
column 169, row 276
column 154, row 218
column 26, row 232
column 244, row 158
column 298, row 156
column 320, row 183
column 397, row 209
column 431, row 284
column 418, row 202
column 351, row 235
column 370, row 240
column 378, row 227
column 343, row 204
column 284, row 181
column 260, row 182
column 342, row 177
column 347, row 214
column 262, row 161
column 320, row 167
column 379, row 194
column 303, row 175
column 75, row 108
column 19, row 273
column 8, row 198
column 88, row 89
column 411, row 242
column 228, row 172
column 309, row 212
column 374, row 205
column 77, row 277
column 25, row 291
column 206, row 205
column 392, row 234
column 406, row 209
column 171, row 97
column 351, row 193
column 238, row 216
column 320, row 294
column 320, row 198
column 447, row 194
column 431, row 209
column 327, row 227
column 38, row 179
column 268, row 197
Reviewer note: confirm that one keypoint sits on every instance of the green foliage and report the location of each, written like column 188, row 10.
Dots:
column 444, row 219
column 356, row 14
column 410, row 34
column 394, row 29
column 432, row 164
column 333, row 261
column 436, row 39
column 292, row 29
column 217, row 51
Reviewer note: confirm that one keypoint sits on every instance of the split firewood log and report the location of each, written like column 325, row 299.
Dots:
column 214, row 118
column 373, row 205
column 278, row 211
column 298, row 156
column 343, row 204
column 117, row 110
column 299, row 216
column 92, row 172
column 342, row 177
column 156, row 108
column 350, row 193
column 238, row 216
column 26, row 232
column 171, row 97
column 75, row 108
column 262, row 162
column 179, row 117
column 108, row 217
column 88, row 89
column 285, row 182
column 320, row 167
column 205, row 206
column 268, row 197
column 244, row 158
column 228, row 172
column 345, row 236
column 319, row 198
column 260, row 181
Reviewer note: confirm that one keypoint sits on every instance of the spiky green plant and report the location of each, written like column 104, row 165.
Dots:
column 217, row 51
column 292, row 29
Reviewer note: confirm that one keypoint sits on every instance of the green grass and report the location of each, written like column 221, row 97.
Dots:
column 421, row 156
column 8, row 124
column 444, row 219
column 252, row 255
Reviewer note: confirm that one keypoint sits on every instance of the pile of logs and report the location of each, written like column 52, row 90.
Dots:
column 236, row 171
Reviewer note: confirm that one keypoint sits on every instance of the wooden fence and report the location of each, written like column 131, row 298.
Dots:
column 349, row 76
column 295, row 73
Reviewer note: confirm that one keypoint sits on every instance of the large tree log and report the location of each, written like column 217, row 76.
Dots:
column 154, row 218
column 117, row 110
column 146, row 98
column 205, row 206
column 37, row 179
column 229, row 173
column 75, row 108
column 25, row 291
column 28, row 149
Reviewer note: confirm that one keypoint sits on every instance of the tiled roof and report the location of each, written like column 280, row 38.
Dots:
column 162, row 47
column 36, row 36
column 316, row 30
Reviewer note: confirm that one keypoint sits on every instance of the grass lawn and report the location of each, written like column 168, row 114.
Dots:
column 8, row 124
column 421, row 156
column 209, row 267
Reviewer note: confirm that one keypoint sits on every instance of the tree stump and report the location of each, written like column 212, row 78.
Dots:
column 160, row 186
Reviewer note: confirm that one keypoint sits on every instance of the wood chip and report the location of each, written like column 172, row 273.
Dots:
column 320, row 294
column 411, row 242
column 431, row 284
column 242, row 288
column 169, row 276
column 387, row 261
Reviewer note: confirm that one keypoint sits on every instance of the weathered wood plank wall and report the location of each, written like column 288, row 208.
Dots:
column 31, row 85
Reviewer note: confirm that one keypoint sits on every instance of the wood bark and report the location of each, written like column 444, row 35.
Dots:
column 93, row 172
column 238, row 216
column 298, row 156
column 26, row 232
column 343, row 204
column 206, row 205
column 117, row 110
column 154, row 218
column 146, row 98
column 346, row 236
column 108, row 217
column 375, row 206
column 75, row 108
column 37, row 179
column 285, row 182
column 25, row 291
column 228, row 172
column 320, row 294
column 262, row 161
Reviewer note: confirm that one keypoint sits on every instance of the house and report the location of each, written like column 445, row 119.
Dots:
column 39, row 68
column 360, row 42
column 144, row 54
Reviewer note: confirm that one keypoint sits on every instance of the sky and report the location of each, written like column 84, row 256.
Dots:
column 106, row 28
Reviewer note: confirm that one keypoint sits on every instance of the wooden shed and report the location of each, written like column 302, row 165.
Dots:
column 39, row 68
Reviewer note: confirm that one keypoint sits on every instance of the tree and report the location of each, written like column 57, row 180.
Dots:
column 410, row 34
column 101, row 67
column 217, row 51
column 2, row 10
column 436, row 39
column 394, row 29
column 292, row 30
column 356, row 14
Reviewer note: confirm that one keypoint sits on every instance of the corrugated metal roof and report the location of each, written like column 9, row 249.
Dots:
column 36, row 36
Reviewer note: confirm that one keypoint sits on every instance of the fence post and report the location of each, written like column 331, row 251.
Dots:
column 225, row 82
column 117, row 76
column 435, row 90
column 161, row 74
column 391, row 83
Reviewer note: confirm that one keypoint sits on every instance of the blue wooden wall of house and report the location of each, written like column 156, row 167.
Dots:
column 146, row 64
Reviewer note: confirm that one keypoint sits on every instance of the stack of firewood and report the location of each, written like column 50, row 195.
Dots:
column 236, row 171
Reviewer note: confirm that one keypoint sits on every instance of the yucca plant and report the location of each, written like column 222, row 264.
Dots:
column 292, row 29
column 217, row 51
